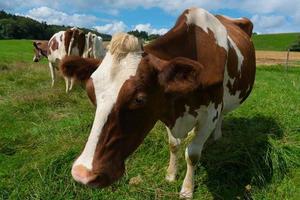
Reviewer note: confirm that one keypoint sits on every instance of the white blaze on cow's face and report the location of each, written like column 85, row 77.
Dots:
column 107, row 79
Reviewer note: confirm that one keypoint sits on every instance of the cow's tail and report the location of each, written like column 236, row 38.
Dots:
column 78, row 68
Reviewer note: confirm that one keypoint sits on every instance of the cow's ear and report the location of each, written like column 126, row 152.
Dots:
column 180, row 75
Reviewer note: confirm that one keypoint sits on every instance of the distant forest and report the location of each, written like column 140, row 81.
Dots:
column 18, row 27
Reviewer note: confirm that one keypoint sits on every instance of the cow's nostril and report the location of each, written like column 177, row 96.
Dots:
column 81, row 174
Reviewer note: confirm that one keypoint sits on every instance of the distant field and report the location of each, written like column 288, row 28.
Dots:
column 16, row 50
column 277, row 57
column 42, row 130
column 275, row 42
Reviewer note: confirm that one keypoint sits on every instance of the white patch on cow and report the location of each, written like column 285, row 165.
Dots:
column 232, row 101
column 184, row 124
column 107, row 88
column 238, row 53
column 205, row 20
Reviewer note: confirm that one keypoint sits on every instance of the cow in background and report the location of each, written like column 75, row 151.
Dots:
column 65, row 43
column 40, row 50
column 93, row 46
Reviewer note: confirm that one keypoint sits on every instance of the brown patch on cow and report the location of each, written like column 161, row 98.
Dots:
column 81, row 42
column 54, row 44
column 61, row 38
column 79, row 68
column 76, row 40
column 68, row 36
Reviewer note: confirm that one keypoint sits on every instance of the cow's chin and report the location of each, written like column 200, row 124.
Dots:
column 106, row 178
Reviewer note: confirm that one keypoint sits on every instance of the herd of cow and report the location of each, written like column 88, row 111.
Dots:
column 188, row 78
column 72, row 42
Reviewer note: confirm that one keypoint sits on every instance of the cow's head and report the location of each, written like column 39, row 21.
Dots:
column 40, row 50
column 133, row 91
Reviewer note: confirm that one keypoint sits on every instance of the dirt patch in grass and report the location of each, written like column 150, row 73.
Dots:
column 277, row 57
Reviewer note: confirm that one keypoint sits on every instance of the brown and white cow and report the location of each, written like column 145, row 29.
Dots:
column 40, row 50
column 189, row 78
column 70, row 42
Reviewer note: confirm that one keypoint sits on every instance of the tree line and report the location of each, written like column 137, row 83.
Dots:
column 144, row 35
column 19, row 27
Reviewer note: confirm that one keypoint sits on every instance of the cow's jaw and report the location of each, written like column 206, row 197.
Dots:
column 107, row 80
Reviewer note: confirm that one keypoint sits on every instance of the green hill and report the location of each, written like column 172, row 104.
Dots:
column 275, row 42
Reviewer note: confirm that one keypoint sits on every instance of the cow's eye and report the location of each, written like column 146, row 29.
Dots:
column 140, row 100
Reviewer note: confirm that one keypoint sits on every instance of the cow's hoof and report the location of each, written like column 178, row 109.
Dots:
column 186, row 194
column 170, row 177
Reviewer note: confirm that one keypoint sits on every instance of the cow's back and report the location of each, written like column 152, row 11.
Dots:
column 240, row 69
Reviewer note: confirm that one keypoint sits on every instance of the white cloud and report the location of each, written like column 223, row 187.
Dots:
column 149, row 29
column 52, row 16
column 267, row 8
column 112, row 28
column 268, row 23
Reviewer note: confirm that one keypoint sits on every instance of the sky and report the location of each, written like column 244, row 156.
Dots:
column 155, row 16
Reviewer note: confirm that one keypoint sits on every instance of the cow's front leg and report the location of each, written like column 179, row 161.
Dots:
column 193, row 152
column 218, row 131
column 173, row 146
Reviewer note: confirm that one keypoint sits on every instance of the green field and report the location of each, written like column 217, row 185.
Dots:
column 275, row 42
column 43, row 130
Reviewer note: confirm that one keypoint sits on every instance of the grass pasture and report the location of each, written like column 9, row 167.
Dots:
column 275, row 42
column 42, row 130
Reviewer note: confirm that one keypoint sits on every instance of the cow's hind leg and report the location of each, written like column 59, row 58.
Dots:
column 174, row 146
column 52, row 72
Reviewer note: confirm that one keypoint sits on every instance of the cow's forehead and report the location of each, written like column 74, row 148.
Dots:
column 112, row 73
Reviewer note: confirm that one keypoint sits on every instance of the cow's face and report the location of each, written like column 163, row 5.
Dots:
column 132, row 94
column 37, row 52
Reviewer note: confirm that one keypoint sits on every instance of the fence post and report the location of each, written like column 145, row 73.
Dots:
column 287, row 60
